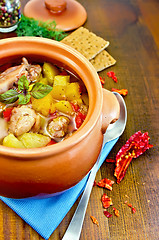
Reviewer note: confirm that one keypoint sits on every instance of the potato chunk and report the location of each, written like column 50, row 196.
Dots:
column 73, row 91
column 43, row 105
column 59, row 87
column 64, row 106
column 50, row 71
column 12, row 141
column 34, row 140
column 61, row 80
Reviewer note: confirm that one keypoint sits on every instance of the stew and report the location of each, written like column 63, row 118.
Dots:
column 40, row 105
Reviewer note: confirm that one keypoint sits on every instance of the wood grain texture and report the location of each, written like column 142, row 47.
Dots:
column 131, row 26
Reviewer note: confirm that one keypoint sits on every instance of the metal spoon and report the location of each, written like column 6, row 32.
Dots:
column 114, row 130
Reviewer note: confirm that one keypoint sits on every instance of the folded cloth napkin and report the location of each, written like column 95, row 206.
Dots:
column 45, row 214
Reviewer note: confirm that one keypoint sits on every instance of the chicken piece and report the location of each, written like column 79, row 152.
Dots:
column 58, row 127
column 12, row 74
column 22, row 120
column 34, row 72
column 37, row 124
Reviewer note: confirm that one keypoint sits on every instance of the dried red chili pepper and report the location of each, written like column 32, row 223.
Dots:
column 116, row 212
column 133, row 210
column 95, row 183
column 107, row 214
column 7, row 113
column 115, row 79
column 105, row 183
column 122, row 92
column 106, row 201
column 130, row 205
column 94, row 220
column 102, row 80
column 136, row 145
column 111, row 74
column 110, row 160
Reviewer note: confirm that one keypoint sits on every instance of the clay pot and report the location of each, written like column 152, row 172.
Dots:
column 52, row 169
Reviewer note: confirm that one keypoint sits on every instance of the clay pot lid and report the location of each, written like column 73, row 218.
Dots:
column 68, row 14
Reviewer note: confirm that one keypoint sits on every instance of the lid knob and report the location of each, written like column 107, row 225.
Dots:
column 56, row 6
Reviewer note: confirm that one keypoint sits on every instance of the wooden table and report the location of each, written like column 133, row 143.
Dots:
column 132, row 27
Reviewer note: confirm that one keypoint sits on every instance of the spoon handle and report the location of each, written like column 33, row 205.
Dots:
column 74, row 230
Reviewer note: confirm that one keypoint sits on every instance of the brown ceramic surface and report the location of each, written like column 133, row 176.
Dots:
column 71, row 17
column 28, row 172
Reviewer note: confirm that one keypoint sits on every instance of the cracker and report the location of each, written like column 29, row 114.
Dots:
column 86, row 42
column 102, row 60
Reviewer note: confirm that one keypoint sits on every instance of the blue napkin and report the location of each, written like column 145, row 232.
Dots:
column 45, row 214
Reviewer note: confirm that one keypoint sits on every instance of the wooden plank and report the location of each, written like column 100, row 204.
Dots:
column 132, row 29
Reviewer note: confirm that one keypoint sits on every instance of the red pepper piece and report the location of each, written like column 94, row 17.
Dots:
column 94, row 220
column 102, row 80
column 122, row 92
column 79, row 119
column 136, row 145
column 115, row 79
column 105, row 183
column 129, row 205
column 107, row 214
column 116, row 212
column 53, row 115
column 110, row 160
column 133, row 210
column 110, row 74
column 106, row 201
column 75, row 107
column 51, row 142
column 7, row 113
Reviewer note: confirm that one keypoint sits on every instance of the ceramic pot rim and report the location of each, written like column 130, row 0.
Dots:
column 84, row 69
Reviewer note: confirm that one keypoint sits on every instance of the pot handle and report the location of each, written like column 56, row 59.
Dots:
column 110, row 109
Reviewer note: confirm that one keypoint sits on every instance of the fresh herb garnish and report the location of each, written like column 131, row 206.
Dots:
column 31, row 27
column 10, row 96
column 38, row 91
column 23, row 83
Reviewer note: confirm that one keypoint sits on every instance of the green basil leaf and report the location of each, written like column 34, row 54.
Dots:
column 10, row 96
column 24, row 99
column 40, row 90
column 23, row 83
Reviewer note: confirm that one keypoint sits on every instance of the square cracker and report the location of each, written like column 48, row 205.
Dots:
column 86, row 42
column 102, row 60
